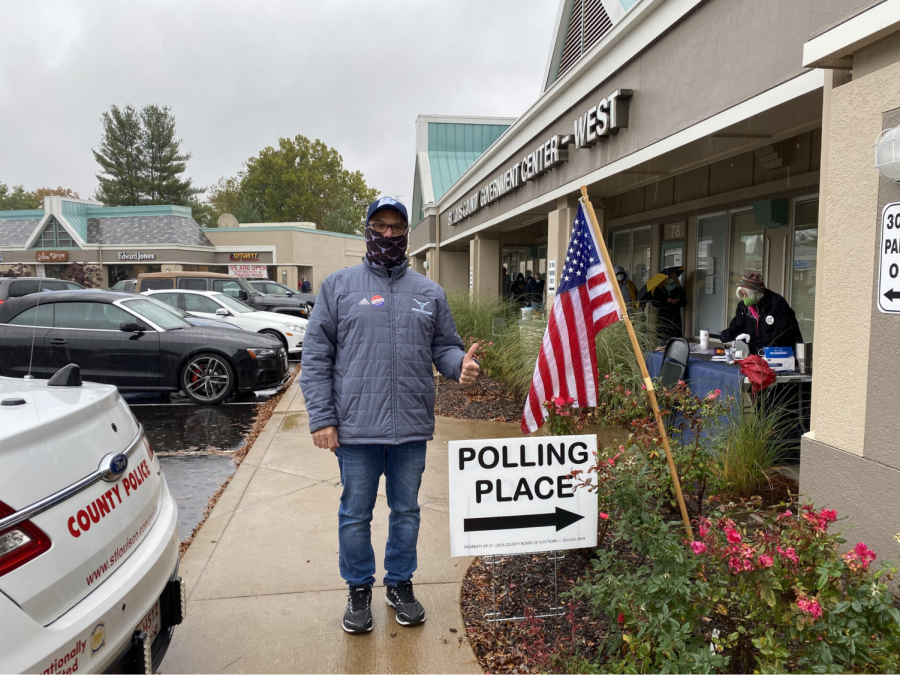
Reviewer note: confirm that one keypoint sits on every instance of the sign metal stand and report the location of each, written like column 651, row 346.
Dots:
column 554, row 611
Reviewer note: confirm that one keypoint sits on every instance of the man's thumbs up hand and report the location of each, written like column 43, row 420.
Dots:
column 470, row 368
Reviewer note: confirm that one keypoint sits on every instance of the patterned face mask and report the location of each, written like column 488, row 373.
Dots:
column 383, row 251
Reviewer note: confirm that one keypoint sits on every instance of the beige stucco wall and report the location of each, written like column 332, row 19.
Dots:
column 847, row 242
column 320, row 253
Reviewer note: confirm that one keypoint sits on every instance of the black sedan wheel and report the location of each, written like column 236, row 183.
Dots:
column 207, row 379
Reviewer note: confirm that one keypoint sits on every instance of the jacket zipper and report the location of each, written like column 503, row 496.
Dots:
column 393, row 359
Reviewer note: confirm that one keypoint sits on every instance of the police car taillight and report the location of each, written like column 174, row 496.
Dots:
column 20, row 543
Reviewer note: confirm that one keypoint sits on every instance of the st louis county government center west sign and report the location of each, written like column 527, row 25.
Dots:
column 598, row 123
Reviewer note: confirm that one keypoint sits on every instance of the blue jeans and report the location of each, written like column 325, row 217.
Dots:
column 361, row 467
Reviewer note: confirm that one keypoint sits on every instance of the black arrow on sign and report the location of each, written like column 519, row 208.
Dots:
column 560, row 519
column 892, row 295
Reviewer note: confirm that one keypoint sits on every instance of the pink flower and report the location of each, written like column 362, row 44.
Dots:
column 643, row 386
column 734, row 537
column 828, row 516
column 810, row 607
column 607, row 377
column 628, row 392
column 786, row 514
column 713, row 395
column 703, row 527
column 766, row 561
column 698, row 547
column 570, row 400
column 860, row 557
column 559, row 400
column 604, row 516
column 621, row 618
column 790, row 554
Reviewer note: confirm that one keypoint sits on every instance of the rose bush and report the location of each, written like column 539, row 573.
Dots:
column 759, row 590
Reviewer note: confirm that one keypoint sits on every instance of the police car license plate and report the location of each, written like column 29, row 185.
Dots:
column 151, row 623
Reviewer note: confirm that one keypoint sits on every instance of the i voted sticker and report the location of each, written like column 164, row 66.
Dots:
column 377, row 300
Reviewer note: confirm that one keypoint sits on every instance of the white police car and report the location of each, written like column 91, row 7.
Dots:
column 88, row 542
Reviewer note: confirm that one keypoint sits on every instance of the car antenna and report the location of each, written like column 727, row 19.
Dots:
column 29, row 376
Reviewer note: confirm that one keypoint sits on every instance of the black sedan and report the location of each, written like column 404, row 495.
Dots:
column 134, row 344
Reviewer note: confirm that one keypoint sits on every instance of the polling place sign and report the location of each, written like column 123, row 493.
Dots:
column 514, row 495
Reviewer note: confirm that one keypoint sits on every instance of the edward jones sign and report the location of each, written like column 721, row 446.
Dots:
column 598, row 123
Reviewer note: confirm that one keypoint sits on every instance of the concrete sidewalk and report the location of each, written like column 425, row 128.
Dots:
column 264, row 592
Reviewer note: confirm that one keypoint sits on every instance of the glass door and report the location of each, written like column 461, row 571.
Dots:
column 747, row 253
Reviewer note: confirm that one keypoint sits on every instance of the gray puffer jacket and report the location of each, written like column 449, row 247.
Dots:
column 367, row 355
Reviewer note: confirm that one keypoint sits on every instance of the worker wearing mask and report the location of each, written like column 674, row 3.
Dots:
column 668, row 298
column 763, row 318
column 626, row 285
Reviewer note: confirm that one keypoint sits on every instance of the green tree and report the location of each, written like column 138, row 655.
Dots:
column 305, row 180
column 163, row 161
column 203, row 213
column 121, row 158
column 225, row 195
column 246, row 212
column 15, row 198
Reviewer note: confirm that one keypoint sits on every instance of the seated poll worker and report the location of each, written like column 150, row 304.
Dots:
column 763, row 318
column 368, row 381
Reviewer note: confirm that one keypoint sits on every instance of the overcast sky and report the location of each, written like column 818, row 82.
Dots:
column 239, row 75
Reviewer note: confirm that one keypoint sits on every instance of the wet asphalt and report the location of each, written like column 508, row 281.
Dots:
column 195, row 444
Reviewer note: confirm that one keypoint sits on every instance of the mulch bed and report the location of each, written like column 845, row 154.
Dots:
column 525, row 583
column 487, row 400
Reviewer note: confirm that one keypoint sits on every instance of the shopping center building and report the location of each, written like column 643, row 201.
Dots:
column 125, row 241
column 725, row 136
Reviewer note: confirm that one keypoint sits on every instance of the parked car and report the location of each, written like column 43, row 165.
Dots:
column 194, row 320
column 130, row 342
column 88, row 539
column 274, row 288
column 16, row 287
column 214, row 306
column 236, row 287
column 125, row 286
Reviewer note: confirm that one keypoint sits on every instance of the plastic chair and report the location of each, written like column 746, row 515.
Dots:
column 674, row 362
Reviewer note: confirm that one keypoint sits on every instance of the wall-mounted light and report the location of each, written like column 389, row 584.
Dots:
column 887, row 154
column 425, row 264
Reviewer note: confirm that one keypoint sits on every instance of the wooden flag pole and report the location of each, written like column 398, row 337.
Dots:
column 648, row 382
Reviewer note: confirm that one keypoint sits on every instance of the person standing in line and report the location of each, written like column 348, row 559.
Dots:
column 305, row 286
column 669, row 298
column 367, row 378
column 626, row 285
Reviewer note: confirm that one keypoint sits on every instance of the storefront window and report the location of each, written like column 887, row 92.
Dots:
column 747, row 253
column 122, row 272
column 709, row 290
column 803, row 277
column 640, row 257
column 631, row 250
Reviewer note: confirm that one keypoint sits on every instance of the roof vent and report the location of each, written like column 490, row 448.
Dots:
column 67, row 376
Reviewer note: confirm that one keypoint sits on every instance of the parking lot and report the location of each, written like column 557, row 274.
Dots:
column 195, row 444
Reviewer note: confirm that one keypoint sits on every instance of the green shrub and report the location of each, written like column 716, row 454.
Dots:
column 474, row 316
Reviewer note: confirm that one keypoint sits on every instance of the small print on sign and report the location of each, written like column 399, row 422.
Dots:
column 513, row 495
column 889, row 271
column 551, row 276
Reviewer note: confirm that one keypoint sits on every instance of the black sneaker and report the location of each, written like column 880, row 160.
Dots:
column 358, row 617
column 409, row 610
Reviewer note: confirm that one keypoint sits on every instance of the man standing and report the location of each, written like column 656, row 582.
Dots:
column 367, row 378
column 305, row 286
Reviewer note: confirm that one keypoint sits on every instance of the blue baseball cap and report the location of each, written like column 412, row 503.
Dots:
column 387, row 203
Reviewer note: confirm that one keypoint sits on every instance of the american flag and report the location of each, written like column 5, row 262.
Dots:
column 585, row 304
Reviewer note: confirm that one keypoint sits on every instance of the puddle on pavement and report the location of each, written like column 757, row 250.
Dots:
column 188, row 428
column 295, row 420
column 192, row 481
